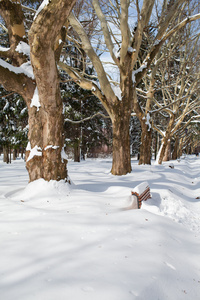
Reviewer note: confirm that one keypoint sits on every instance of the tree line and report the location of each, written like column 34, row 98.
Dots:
column 135, row 60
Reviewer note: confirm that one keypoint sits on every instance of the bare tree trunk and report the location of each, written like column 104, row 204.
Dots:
column 180, row 147
column 121, row 164
column 77, row 151
column 162, row 152
column 175, row 150
column 43, row 155
column 46, row 121
column 46, row 142
column 167, row 154
column 5, row 154
column 145, row 147
column 14, row 154
column 22, row 152
column 121, row 114
column 156, row 141
column 10, row 156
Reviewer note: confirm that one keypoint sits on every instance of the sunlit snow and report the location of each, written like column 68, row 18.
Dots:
column 79, row 241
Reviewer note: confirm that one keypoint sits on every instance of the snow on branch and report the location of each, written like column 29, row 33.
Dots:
column 25, row 68
column 23, row 47
column 3, row 27
column 86, row 119
column 135, row 72
column 82, row 81
column 5, row 52
column 3, row 49
column 43, row 4
column 28, row 8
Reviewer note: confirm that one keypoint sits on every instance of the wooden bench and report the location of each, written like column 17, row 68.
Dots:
column 141, row 193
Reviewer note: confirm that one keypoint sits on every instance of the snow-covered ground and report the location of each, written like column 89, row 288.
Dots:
column 80, row 242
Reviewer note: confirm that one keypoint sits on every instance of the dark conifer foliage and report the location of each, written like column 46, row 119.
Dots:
column 92, row 136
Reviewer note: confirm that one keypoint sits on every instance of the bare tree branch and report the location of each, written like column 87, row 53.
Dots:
column 82, row 81
column 88, row 118
column 105, row 29
column 156, row 47
column 105, row 84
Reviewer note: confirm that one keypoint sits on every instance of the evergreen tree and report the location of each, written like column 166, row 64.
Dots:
column 13, row 124
column 91, row 135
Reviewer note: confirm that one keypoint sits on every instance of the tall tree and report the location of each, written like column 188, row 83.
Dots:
column 180, row 90
column 152, row 83
column 119, row 98
column 30, row 70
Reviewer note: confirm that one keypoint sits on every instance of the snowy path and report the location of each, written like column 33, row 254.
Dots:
column 60, row 242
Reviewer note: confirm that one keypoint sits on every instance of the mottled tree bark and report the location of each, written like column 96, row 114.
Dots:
column 6, row 154
column 121, row 164
column 121, row 114
column 167, row 154
column 46, row 124
column 175, row 150
column 145, row 147
column 77, row 157
column 43, row 155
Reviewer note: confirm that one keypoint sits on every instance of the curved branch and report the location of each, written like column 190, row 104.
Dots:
column 17, row 82
column 86, row 119
column 104, row 82
column 169, row 16
column 3, row 27
column 105, row 29
column 124, row 30
column 142, row 22
column 84, row 83
column 13, row 16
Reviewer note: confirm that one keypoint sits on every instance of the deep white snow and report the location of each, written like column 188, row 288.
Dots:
column 81, row 242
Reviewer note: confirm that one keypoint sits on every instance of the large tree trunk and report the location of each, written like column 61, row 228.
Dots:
column 145, row 147
column 6, row 154
column 167, row 154
column 166, row 142
column 146, row 134
column 180, row 147
column 121, row 114
column 43, row 155
column 77, row 150
column 175, row 150
column 121, row 163
column 164, row 148
column 46, row 120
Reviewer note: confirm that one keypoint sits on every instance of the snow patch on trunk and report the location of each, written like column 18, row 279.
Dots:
column 35, row 151
column 35, row 100
column 158, row 155
column 43, row 4
column 51, row 146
